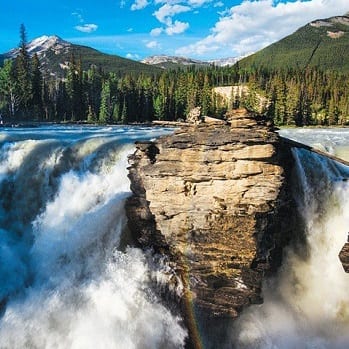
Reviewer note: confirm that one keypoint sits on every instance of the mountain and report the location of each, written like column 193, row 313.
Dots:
column 225, row 62
column 323, row 43
column 170, row 62
column 55, row 53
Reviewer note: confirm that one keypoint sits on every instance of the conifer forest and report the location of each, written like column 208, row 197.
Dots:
column 310, row 96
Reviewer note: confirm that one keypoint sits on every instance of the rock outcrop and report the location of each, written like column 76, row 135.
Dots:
column 212, row 197
column 344, row 256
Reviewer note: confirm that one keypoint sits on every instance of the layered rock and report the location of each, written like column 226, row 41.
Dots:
column 212, row 197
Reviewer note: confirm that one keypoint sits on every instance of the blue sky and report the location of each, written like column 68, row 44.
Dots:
column 202, row 29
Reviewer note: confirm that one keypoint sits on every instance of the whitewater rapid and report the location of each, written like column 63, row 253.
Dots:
column 68, row 281
column 307, row 304
column 65, row 282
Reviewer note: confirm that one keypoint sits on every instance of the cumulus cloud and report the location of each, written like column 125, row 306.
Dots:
column 165, row 13
column 253, row 25
column 165, row 16
column 87, row 28
column 139, row 5
column 176, row 28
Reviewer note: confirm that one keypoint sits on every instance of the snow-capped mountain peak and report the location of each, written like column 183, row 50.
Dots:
column 163, row 59
column 42, row 44
column 224, row 62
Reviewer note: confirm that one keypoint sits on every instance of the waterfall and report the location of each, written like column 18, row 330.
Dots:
column 307, row 304
column 64, row 281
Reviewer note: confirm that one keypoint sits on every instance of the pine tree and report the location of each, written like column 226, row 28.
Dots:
column 75, row 89
column 105, row 109
column 124, row 115
column 9, row 97
column 37, row 87
column 94, row 86
column 23, row 73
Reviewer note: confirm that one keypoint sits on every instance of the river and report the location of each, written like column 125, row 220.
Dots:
column 67, row 279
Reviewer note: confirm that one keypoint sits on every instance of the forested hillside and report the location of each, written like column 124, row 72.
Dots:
column 299, row 96
column 322, row 44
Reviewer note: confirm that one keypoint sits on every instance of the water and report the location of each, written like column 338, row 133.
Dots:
column 334, row 141
column 307, row 304
column 64, row 280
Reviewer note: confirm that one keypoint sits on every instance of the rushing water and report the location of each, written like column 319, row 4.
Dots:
column 334, row 141
column 64, row 281
column 307, row 304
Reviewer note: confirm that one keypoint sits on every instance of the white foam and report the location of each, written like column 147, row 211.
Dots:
column 307, row 305
column 81, row 291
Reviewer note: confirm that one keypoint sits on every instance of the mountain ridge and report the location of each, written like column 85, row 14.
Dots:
column 167, row 61
column 322, row 43
column 55, row 53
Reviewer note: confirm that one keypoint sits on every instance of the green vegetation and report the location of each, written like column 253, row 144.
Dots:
column 101, row 61
column 297, row 97
column 322, row 45
column 298, row 94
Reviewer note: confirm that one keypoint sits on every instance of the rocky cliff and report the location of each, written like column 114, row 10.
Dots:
column 212, row 197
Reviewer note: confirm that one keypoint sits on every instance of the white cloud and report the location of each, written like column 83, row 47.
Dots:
column 177, row 28
column 152, row 44
column 218, row 4
column 139, row 5
column 156, row 31
column 255, row 24
column 169, row 2
column 165, row 13
column 198, row 3
column 87, row 28
column 165, row 16
column 133, row 56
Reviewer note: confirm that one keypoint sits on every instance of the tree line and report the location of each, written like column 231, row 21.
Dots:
column 292, row 97
column 302, row 97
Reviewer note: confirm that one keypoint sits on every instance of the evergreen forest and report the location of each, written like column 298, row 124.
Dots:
column 309, row 96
